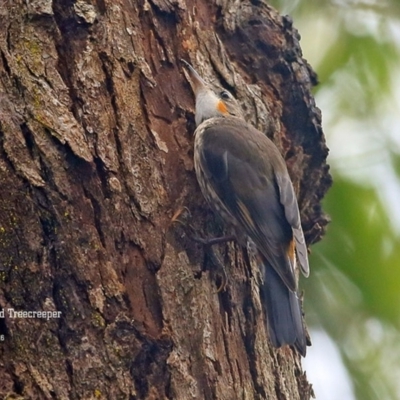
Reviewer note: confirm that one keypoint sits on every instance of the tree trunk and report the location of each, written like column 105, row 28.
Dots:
column 96, row 124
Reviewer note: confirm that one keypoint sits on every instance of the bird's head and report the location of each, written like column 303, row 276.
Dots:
column 210, row 103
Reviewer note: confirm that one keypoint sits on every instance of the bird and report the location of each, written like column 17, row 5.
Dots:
column 244, row 178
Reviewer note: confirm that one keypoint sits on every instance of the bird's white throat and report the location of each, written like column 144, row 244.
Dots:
column 206, row 106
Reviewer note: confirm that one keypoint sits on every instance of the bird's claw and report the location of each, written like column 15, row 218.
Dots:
column 214, row 259
column 182, row 212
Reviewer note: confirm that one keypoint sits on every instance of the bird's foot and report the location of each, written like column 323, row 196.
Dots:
column 212, row 241
column 219, row 268
column 181, row 216
column 213, row 258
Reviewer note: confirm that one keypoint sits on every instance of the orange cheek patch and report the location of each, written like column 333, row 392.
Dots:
column 221, row 107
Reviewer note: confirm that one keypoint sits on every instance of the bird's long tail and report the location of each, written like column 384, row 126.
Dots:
column 284, row 315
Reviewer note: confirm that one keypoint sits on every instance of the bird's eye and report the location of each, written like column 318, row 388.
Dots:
column 225, row 95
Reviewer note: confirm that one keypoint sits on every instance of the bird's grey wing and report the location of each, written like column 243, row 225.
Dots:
column 289, row 202
column 230, row 162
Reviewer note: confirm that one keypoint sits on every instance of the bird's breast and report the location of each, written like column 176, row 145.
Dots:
column 205, row 184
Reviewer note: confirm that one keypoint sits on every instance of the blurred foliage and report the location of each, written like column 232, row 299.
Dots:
column 353, row 293
column 362, row 246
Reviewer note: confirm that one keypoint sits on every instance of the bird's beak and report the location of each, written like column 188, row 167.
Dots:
column 198, row 84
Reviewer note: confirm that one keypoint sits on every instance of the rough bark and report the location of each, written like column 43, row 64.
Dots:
column 96, row 123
